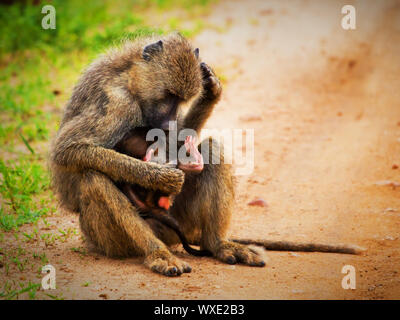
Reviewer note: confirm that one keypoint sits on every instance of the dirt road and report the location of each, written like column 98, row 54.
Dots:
column 325, row 106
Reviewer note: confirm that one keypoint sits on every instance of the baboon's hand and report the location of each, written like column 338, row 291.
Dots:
column 170, row 180
column 232, row 253
column 211, row 84
column 164, row 262
column 195, row 166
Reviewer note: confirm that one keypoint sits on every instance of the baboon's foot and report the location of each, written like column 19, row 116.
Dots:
column 164, row 262
column 232, row 253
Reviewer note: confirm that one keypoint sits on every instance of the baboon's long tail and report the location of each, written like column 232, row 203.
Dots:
column 303, row 247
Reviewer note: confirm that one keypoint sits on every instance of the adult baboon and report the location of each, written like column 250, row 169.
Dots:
column 143, row 84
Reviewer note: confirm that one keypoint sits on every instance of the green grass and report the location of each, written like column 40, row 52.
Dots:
column 21, row 181
column 19, row 261
column 38, row 70
column 94, row 24
column 9, row 294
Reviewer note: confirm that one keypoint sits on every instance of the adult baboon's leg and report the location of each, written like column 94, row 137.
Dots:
column 112, row 225
column 204, row 208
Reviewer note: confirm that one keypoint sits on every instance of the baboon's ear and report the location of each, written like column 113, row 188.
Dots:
column 196, row 52
column 152, row 49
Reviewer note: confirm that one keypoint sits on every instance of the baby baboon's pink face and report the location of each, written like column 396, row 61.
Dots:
column 193, row 165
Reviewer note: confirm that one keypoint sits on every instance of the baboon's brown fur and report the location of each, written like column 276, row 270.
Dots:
column 127, row 88
column 142, row 84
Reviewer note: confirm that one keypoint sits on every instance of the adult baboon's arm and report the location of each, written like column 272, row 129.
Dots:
column 86, row 143
column 201, row 109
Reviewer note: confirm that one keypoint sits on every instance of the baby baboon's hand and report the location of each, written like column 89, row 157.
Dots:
column 195, row 166
column 232, row 253
column 211, row 84
column 164, row 262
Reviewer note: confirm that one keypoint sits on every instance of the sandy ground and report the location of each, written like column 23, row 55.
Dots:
column 324, row 104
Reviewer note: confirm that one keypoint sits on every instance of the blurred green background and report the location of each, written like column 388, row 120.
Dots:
column 38, row 69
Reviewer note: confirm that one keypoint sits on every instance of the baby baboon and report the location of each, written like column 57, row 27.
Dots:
column 155, row 204
column 143, row 84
